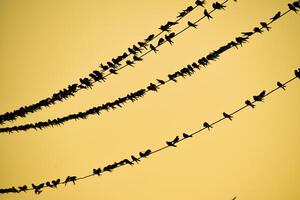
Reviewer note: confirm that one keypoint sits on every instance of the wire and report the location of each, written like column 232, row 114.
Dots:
column 189, row 70
column 111, row 167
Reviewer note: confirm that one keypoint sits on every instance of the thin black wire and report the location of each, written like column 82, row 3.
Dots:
column 15, row 115
column 77, row 116
column 182, row 139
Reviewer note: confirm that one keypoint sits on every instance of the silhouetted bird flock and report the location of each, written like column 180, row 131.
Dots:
column 112, row 66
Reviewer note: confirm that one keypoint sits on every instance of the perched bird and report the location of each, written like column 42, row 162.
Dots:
column 152, row 87
column 169, row 37
column 171, row 144
column 206, row 14
column 131, row 51
column 186, row 135
column 48, row 184
column 292, row 7
column 111, row 65
column 23, row 188
column 134, row 159
column 153, row 48
column 143, row 45
column 136, row 58
column 217, row 5
column 260, row 96
column 192, row 24
column 296, row 4
column 104, row 67
column 130, row 63
column 257, row 30
column 37, row 188
column 149, row 38
column 241, row 40
column 97, row 171
column 137, row 48
column 248, row 103
column 160, row 81
column 200, row 3
column 176, row 140
column 165, row 28
column 248, row 34
column 170, row 23
column 113, row 71
column 189, row 9
column 145, row 154
column 227, row 116
column 207, row 125
column 70, row 179
column 281, row 85
column 297, row 73
column 276, row 16
column 55, row 182
column 160, row 41
column 265, row 25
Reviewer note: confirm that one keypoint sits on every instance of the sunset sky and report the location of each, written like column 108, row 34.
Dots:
column 47, row 45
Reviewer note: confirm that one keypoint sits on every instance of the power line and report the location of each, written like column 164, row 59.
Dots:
column 131, row 161
column 96, row 75
column 189, row 70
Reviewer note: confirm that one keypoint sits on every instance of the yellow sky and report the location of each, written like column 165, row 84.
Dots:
column 46, row 45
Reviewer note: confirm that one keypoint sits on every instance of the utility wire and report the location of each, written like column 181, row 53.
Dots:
column 189, row 70
column 130, row 161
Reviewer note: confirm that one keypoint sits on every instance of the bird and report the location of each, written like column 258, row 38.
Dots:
column 189, row 9
column 186, row 135
column 169, row 37
column 134, row 159
column 153, row 48
column 160, row 81
column 165, row 28
column 206, row 14
column 97, row 171
column 55, row 182
column 191, row 24
column 111, row 65
column 247, row 33
column 292, row 7
column 131, row 51
column 217, row 5
column 207, row 125
column 296, row 4
column 265, row 25
column 130, row 63
column 137, row 48
column 104, row 67
column 143, row 45
column 170, row 144
column 248, row 103
column 257, row 30
column 281, row 85
column 149, row 38
column 136, row 58
column 200, row 3
column 160, row 41
column 23, row 188
column 260, row 96
column 227, row 116
column 297, row 73
column 276, row 16
column 152, row 87
column 113, row 71
column 48, row 184
column 170, row 23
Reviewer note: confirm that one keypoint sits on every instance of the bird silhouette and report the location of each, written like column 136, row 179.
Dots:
column 265, row 25
column 248, row 34
column 97, row 171
column 200, row 3
column 296, row 4
column 186, row 135
column 170, row 144
column 257, row 30
column 37, row 188
column 152, row 87
column 248, row 103
column 145, row 154
column 23, row 188
column 55, row 182
column 143, row 45
column 137, row 48
column 160, row 41
column 161, row 82
column 292, row 7
column 297, row 73
column 281, row 85
column 218, row 6
column 111, row 65
column 113, row 71
column 276, row 16
column 164, row 28
column 206, row 14
column 149, row 38
column 169, row 37
column 207, row 125
column 130, row 63
column 104, row 67
column 191, row 24
column 131, row 51
column 227, row 116
column 260, row 96
column 136, row 58
column 153, row 48
column 189, row 9
column 134, row 159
